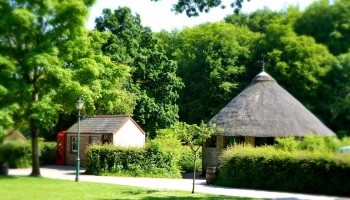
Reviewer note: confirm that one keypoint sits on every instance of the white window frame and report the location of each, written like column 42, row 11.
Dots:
column 74, row 144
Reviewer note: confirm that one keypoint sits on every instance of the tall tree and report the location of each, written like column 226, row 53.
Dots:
column 336, row 91
column 297, row 62
column 51, row 59
column 193, row 8
column 154, row 79
column 212, row 60
column 328, row 23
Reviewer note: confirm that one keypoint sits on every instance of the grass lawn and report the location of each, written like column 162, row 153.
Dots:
column 43, row 188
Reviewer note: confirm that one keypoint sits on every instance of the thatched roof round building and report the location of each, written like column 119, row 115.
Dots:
column 265, row 109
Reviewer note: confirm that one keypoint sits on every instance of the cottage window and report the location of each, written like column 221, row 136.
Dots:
column 74, row 144
column 107, row 139
column 93, row 140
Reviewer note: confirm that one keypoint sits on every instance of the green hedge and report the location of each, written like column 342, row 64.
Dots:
column 268, row 168
column 186, row 157
column 150, row 161
column 168, row 142
column 47, row 153
column 18, row 154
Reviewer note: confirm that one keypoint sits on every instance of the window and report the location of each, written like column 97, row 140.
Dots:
column 93, row 140
column 74, row 143
column 107, row 139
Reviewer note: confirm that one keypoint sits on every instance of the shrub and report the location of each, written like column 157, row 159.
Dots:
column 313, row 143
column 47, row 153
column 18, row 154
column 287, row 144
column 269, row 168
column 150, row 161
column 168, row 141
column 186, row 159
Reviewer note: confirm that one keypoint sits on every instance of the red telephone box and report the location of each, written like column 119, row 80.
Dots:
column 61, row 148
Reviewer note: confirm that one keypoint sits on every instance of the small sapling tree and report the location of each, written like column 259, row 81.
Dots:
column 194, row 136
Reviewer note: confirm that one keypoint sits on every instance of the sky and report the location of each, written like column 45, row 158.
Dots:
column 158, row 15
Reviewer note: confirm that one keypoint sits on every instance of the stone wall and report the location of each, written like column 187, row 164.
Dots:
column 210, row 158
column 211, row 155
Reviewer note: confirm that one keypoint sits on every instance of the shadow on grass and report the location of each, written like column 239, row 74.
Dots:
column 192, row 197
column 3, row 177
column 186, row 197
column 137, row 192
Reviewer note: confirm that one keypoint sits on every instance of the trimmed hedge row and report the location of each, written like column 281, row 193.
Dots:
column 18, row 154
column 150, row 161
column 272, row 169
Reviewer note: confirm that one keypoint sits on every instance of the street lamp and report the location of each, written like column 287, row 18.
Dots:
column 79, row 104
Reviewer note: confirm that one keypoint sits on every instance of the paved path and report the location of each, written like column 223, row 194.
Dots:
column 68, row 173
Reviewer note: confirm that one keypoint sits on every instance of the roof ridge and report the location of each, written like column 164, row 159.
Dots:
column 263, row 76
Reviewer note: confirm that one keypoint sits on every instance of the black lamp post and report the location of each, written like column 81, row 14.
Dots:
column 79, row 104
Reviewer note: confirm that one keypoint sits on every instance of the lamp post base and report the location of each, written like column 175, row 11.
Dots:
column 76, row 179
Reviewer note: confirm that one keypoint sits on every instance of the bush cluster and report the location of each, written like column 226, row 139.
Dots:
column 18, row 154
column 150, row 161
column 292, row 165
column 168, row 141
column 312, row 143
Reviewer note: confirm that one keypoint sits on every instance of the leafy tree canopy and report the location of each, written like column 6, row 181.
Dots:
column 49, row 59
column 154, row 79
column 212, row 60
column 337, row 92
column 193, row 8
column 328, row 24
column 298, row 63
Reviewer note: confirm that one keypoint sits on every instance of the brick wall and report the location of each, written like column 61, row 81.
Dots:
column 84, row 143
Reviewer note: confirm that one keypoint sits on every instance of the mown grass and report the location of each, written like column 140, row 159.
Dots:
column 13, row 188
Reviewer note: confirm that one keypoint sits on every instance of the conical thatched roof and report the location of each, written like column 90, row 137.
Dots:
column 265, row 109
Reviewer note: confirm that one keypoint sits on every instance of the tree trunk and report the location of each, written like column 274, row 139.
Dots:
column 35, row 143
column 194, row 171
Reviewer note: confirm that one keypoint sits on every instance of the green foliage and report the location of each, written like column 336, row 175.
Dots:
column 186, row 160
column 169, row 141
column 193, row 8
column 47, row 153
column 19, row 153
column 193, row 135
column 212, row 59
column 153, row 75
column 297, row 62
column 151, row 161
column 312, row 143
column 335, row 33
column 304, row 171
column 49, row 59
column 287, row 144
column 337, row 90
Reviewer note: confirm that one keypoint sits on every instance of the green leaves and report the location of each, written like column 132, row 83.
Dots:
column 194, row 8
column 335, row 33
column 153, row 75
column 193, row 135
column 211, row 59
